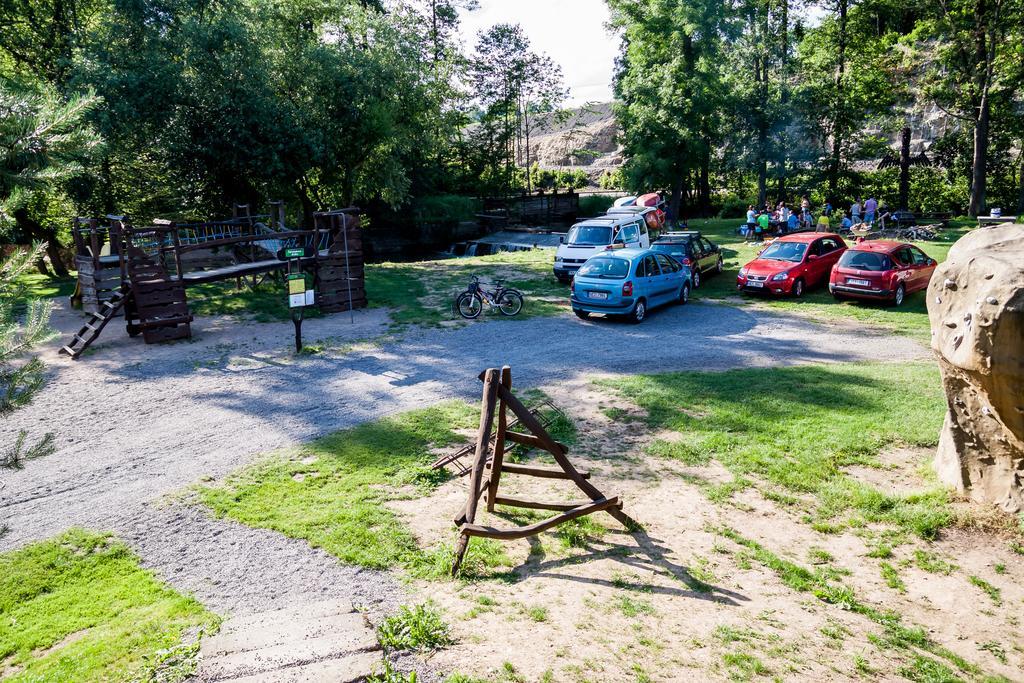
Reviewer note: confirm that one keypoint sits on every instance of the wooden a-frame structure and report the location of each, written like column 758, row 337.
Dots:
column 487, row 468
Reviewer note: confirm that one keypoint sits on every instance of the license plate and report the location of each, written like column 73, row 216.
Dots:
column 754, row 283
column 859, row 283
column 598, row 295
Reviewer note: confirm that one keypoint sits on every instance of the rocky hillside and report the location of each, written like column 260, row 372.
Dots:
column 585, row 138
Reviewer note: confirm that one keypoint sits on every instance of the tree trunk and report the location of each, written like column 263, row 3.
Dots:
column 704, row 185
column 837, row 127
column 979, row 162
column 677, row 195
column 40, row 233
column 783, row 97
column 1020, row 190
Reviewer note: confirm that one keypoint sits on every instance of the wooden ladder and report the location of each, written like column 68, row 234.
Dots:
column 97, row 321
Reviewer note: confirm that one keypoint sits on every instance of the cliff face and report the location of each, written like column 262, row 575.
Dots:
column 584, row 138
column 588, row 138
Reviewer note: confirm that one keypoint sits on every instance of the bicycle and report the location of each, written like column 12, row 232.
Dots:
column 470, row 303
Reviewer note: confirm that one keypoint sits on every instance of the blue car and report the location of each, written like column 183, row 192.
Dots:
column 629, row 282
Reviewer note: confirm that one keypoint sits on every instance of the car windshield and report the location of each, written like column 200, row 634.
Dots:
column 589, row 235
column 785, row 251
column 864, row 260
column 670, row 249
column 606, row 268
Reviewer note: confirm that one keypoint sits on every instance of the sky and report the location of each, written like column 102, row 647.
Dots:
column 571, row 32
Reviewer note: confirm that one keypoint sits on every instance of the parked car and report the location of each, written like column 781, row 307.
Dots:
column 590, row 237
column 628, row 282
column 691, row 249
column 881, row 269
column 792, row 264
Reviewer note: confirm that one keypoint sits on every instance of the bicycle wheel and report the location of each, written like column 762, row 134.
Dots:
column 510, row 302
column 469, row 305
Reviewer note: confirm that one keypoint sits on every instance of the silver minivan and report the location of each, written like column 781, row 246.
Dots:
column 594, row 235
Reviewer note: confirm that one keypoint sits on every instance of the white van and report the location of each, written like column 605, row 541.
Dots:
column 592, row 236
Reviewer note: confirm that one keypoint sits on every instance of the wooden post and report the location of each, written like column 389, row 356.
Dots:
column 177, row 250
column 490, row 395
column 498, row 458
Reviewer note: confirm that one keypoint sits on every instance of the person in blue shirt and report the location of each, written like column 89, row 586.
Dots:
column 846, row 223
column 792, row 223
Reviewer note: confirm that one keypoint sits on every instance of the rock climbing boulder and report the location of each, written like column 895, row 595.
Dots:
column 976, row 310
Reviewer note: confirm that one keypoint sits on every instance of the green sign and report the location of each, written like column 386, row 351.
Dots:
column 294, row 253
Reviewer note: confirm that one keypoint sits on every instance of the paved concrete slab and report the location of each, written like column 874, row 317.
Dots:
column 324, row 641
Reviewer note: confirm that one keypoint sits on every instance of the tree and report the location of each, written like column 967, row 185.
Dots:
column 513, row 86
column 669, row 85
column 44, row 141
column 23, row 324
column 970, row 50
column 849, row 86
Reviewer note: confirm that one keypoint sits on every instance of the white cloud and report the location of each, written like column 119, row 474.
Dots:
column 571, row 32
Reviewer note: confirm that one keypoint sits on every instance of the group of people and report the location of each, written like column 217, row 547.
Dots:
column 782, row 219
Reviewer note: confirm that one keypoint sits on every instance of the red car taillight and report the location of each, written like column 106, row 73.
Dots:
column 627, row 289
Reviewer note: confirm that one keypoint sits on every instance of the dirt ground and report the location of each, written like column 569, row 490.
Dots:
column 624, row 608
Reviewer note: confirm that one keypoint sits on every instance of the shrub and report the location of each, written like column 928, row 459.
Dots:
column 418, row 628
column 595, row 204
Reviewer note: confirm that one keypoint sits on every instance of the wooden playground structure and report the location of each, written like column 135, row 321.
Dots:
column 144, row 272
column 489, row 464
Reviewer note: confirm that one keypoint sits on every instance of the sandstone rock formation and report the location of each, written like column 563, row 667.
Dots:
column 976, row 309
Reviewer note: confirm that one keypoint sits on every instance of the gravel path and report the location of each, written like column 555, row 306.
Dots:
column 134, row 422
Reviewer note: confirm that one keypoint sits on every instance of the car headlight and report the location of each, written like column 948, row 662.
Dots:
column 780, row 277
column 743, row 271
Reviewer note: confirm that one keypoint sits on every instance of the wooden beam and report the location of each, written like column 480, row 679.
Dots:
column 539, row 505
column 487, row 403
column 543, row 472
column 532, row 441
column 469, row 530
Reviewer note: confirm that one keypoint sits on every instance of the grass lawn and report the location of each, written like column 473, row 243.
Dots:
column 43, row 287
column 911, row 318
column 790, row 431
column 334, row 491
column 418, row 293
column 80, row 608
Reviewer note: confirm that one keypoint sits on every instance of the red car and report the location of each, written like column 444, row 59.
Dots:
column 881, row 269
column 792, row 264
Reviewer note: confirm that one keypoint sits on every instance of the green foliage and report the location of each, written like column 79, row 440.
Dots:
column 612, row 180
column 390, row 675
column 445, row 208
column 931, row 562
column 595, row 204
column 80, row 608
column 420, row 627
column 24, row 323
column 44, row 140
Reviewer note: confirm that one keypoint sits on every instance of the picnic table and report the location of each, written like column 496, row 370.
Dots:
column 995, row 220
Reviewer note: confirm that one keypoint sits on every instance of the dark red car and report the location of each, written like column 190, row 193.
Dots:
column 792, row 264
column 881, row 269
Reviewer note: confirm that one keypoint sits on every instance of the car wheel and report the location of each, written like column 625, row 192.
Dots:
column 582, row 315
column 798, row 288
column 684, row 295
column 639, row 312
column 720, row 266
column 696, row 278
column 899, row 295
